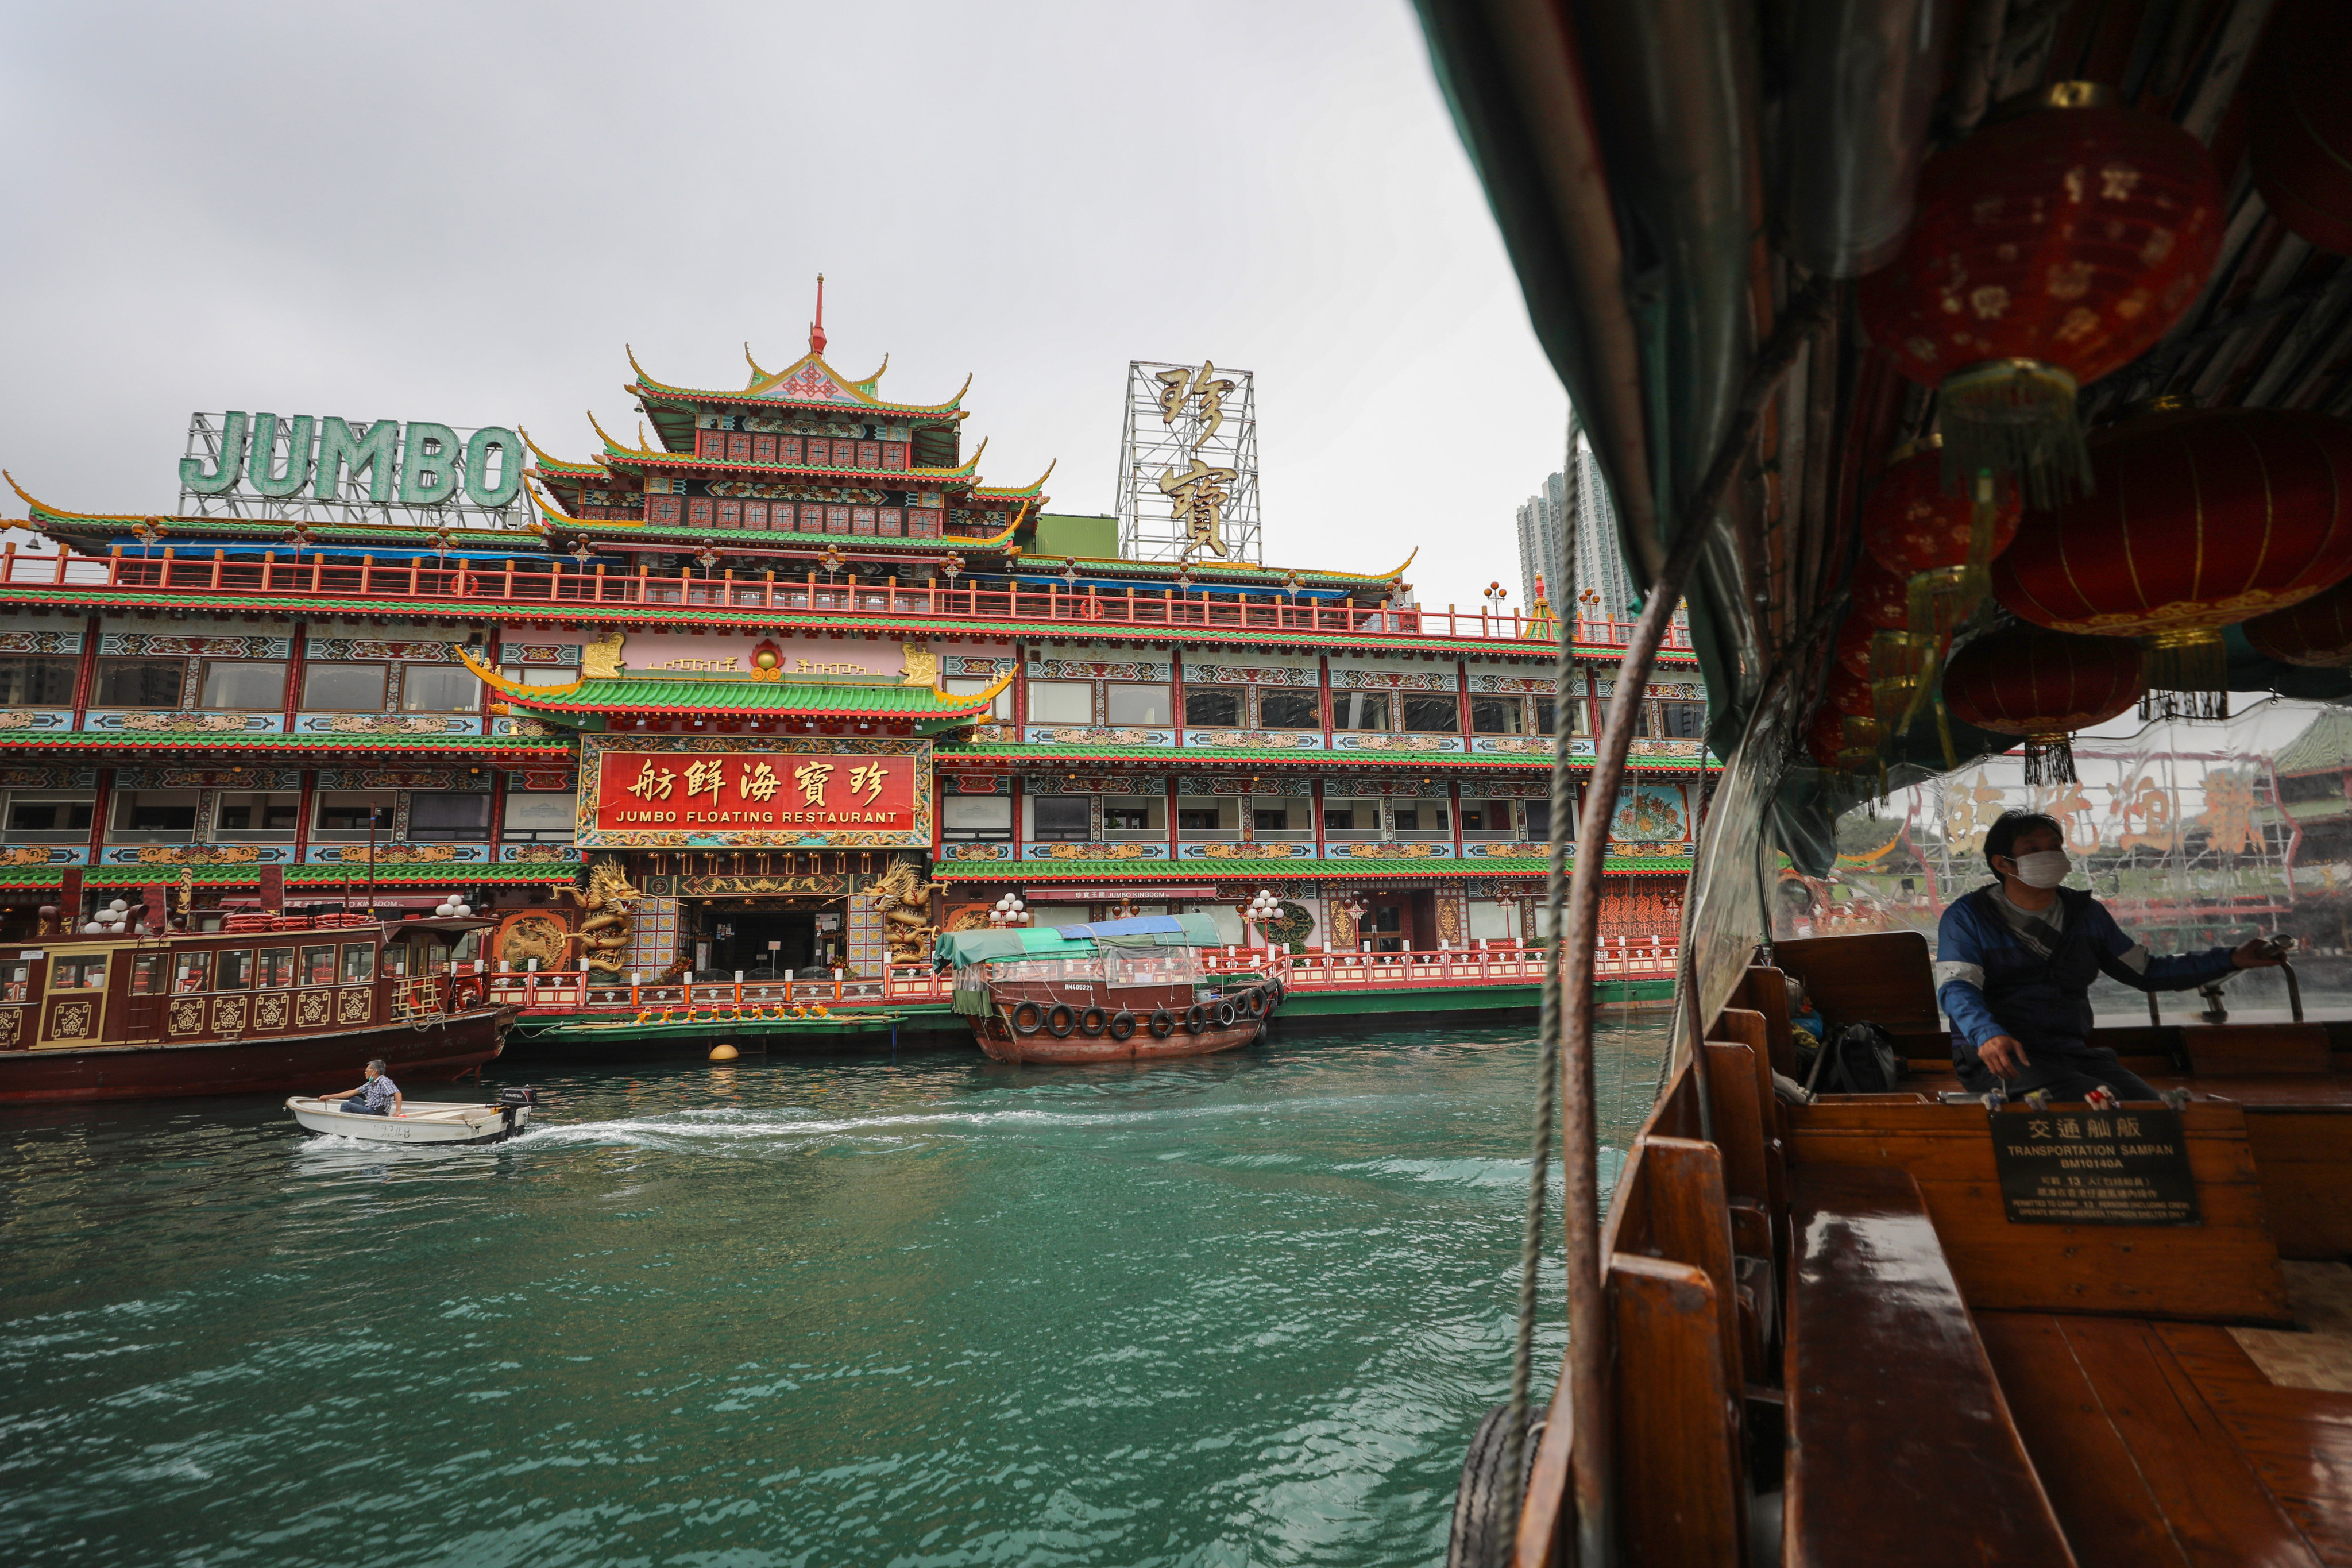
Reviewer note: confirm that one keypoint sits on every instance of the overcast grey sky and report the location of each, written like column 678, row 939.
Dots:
column 462, row 214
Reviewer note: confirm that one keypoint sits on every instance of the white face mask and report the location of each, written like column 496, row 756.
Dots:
column 2044, row 868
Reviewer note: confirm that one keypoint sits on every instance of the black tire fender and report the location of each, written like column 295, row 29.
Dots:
column 1196, row 1018
column 1254, row 1001
column 1093, row 1020
column 1060, row 1020
column 1227, row 1015
column 1026, row 1018
column 1484, row 1524
column 1122, row 1024
column 1163, row 1023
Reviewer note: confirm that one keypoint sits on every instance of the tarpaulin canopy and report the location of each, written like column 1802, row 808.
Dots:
column 958, row 949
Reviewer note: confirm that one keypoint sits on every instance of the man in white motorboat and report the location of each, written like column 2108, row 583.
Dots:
column 379, row 1096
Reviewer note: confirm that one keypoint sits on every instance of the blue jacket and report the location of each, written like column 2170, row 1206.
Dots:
column 1990, row 982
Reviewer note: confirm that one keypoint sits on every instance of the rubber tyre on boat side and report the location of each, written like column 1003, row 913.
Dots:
column 1253, row 1001
column 1484, row 1529
column 1163, row 1023
column 1027, row 1018
column 1060, row 1020
column 1227, row 1015
column 1092, row 1021
column 1122, row 1024
column 1196, row 1019
column 1275, row 993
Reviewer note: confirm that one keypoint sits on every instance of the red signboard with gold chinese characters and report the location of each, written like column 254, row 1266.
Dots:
column 696, row 792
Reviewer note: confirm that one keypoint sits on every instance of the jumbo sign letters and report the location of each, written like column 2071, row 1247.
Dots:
column 421, row 463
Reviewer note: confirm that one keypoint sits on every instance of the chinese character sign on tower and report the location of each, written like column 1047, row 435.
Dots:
column 1187, row 464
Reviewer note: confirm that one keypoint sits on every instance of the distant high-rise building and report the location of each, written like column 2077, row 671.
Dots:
column 1576, row 497
column 1543, row 538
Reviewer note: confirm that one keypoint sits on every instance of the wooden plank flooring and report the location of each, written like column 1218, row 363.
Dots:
column 2163, row 1444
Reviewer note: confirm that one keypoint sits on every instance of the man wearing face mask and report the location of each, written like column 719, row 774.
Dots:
column 2014, row 963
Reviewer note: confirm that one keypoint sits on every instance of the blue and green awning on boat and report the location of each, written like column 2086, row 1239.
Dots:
column 962, row 947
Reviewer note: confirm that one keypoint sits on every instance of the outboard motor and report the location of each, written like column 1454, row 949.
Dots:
column 511, row 1100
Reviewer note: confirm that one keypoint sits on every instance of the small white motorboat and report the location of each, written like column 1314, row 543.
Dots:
column 422, row 1122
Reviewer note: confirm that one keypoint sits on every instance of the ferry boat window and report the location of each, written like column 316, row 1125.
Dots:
column 28, row 681
column 250, row 684
column 1289, row 711
column 1360, row 710
column 345, row 814
column 976, row 818
column 453, row 814
column 1269, row 819
column 343, row 688
column 1357, row 817
column 77, row 973
column 439, row 688
column 1538, row 821
column 1134, row 704
column 1498, row 716
column 18, row 981
column 1200, row 814
column 139, row 682
column 237, row 971
column 1544, row 716
column 276, row 966
column 541, row 818
column 359, row 963
column 317, row 966
column 1485, row 817
column 1493, row 920
column 193, row 971
column 1131, row 814
column 1432, row 715
column 1061, row 702
column 540, row 674
column 1682, row 720
column 258, row 816
column 155, row 815
column 1213, row 709
column 1062, row 817
column 45, row 819
column 973, row 685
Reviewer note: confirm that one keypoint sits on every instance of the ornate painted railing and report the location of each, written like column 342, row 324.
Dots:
column 434, row 580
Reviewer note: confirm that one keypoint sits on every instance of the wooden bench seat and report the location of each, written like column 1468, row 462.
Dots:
column 1902, row 1449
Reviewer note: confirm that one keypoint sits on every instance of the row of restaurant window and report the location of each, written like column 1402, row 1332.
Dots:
column 1137, row 703
column 790, row 517
column 254, row 684
column 1069, row 818
column 236, row 969
column 798, row 451
column 170, row 816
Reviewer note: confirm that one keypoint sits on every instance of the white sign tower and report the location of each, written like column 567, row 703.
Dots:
column 1187, row 464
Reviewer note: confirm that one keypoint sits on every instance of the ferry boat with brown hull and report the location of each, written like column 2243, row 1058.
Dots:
column 1132, row 990
column 273, row 1004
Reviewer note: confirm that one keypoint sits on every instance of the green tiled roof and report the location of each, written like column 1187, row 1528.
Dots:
column 318, row 878
column 497, row 748
column 1248, row 870
column 643, row 695
column 2324, row 747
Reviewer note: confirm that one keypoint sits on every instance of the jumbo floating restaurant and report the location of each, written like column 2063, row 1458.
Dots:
column 784, row 687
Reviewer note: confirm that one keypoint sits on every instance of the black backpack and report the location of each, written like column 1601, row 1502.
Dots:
column 1861, row 1058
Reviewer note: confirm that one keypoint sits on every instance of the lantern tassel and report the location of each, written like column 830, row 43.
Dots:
column 2049, row 759
column 2014, row 416
column 1944, row 734
column 2188, row 676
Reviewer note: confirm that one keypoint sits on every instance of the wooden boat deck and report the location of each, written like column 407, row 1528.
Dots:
column 1826, row 1306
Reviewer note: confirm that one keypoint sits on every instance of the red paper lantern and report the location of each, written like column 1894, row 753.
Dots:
column 2055, row 245
column 1842, row 742
column 1852, row 648
column 1931, row 537
column 2201, row 519
column 1849, row 694
column 2300, row 129
column 1881, row 599
column 2315, row 634
column 2042, row 685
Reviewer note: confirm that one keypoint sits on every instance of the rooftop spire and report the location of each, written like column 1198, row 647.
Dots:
column 816, row 328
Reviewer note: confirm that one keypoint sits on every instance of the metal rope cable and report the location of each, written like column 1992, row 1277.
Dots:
column 1563, row 795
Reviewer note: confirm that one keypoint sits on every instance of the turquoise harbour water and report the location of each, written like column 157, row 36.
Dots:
column 854, row 1309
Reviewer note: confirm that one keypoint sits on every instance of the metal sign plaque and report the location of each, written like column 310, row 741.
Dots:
column 2094, row 1167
